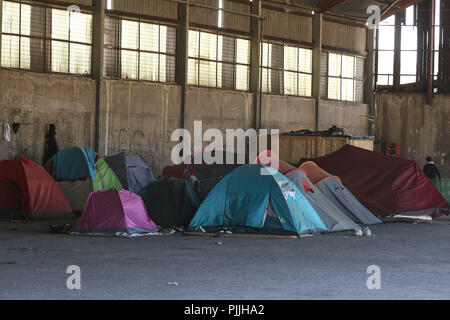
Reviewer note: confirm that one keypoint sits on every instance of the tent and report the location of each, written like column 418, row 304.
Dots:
column 77, row 192
column 170, row 202
column 227, row 162
column 105, row 177
column 336, row 211
column 334, row 218
column 205, row 176
column 40, row 197
column 260, row 198
column 271, row 159
column 74, row 163
column 132, row 172
column 9, row 195
column 112, row 212
column 387, row 186
column 176, row 171
column 443, row 186
column 333, row 189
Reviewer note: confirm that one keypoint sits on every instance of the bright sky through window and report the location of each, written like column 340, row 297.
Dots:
column 220, row 15
column 408, row 48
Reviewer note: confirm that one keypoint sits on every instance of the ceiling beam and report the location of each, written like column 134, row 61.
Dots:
column 329, row 4
column 396, row 7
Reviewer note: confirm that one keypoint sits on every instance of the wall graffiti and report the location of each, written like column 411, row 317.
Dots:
column 148, row 147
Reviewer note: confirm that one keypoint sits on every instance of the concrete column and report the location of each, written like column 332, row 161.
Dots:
column 430, row 71
column 182, row 57
column 1, row 25
column 316, row 68
column 255, row 62
column 98, row 31
column 369, row 80
column 397, row 48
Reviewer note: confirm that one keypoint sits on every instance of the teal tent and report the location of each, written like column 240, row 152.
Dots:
column 170, row 202
column 74, row 163
column 260, row 198
column 443, row 185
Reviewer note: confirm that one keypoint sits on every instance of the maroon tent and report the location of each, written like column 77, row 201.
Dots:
column 385, row 185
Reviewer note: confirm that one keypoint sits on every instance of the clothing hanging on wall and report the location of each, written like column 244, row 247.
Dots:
column 7, row 131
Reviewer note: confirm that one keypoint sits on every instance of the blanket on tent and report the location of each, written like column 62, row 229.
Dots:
column 387, row 186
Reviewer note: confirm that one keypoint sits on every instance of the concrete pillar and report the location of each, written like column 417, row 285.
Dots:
column 98, row 31
column 182, row 57
column 1, row 25
column 430, row 71
column 369, row 80
column 397, row 48
column 316, row 68
column 255, row 62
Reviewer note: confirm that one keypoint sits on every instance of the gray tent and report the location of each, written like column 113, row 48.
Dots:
column 334, row 190
column 131, row 170
column 332, row 187
column 332, row 217
column 77, row 192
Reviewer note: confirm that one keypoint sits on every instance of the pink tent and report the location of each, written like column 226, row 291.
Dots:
column 113, row 211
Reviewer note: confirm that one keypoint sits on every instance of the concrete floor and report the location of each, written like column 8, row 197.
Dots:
column 414, row 261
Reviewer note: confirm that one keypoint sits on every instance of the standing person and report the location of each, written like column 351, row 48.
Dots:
column 431, row 170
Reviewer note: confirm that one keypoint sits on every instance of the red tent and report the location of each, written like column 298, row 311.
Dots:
column 175, row 171
column 39, row 193
column 385, row 185
column 282, row 166
column 9, row 195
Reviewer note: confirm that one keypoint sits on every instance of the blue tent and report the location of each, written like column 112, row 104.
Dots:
column 258, row 197
column 74, row 163
column 131, row 170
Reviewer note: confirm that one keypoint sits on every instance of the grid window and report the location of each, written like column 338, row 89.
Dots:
column 11, row 35
column 341, row 77
column 45, row 39
column 273, row 68
column 218, row 61
column 71, row 34
column 286, row 70
column 139, row 50
column 297, row 71
column 266, row 77
column 386, row 45
column 408, row 49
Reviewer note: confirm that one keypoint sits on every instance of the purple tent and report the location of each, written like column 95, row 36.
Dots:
column 113, row 211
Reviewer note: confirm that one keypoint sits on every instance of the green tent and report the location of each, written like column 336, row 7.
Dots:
column 105, row 177
column 170, row 203
column 443, row 185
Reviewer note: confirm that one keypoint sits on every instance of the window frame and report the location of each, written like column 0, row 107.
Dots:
column 218, row 61
column 341, row 77
column 120, row 49
column 47, row 39
column 283, row 70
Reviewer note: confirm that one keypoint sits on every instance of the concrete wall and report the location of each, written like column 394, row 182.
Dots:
column 287, row 113
column 140, row 117
column 421, row 129
column 36, row 100
column 217, row 108
column 352, row 116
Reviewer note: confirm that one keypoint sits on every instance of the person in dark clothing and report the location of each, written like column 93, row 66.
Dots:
column 431, row 170
column 51, row 146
